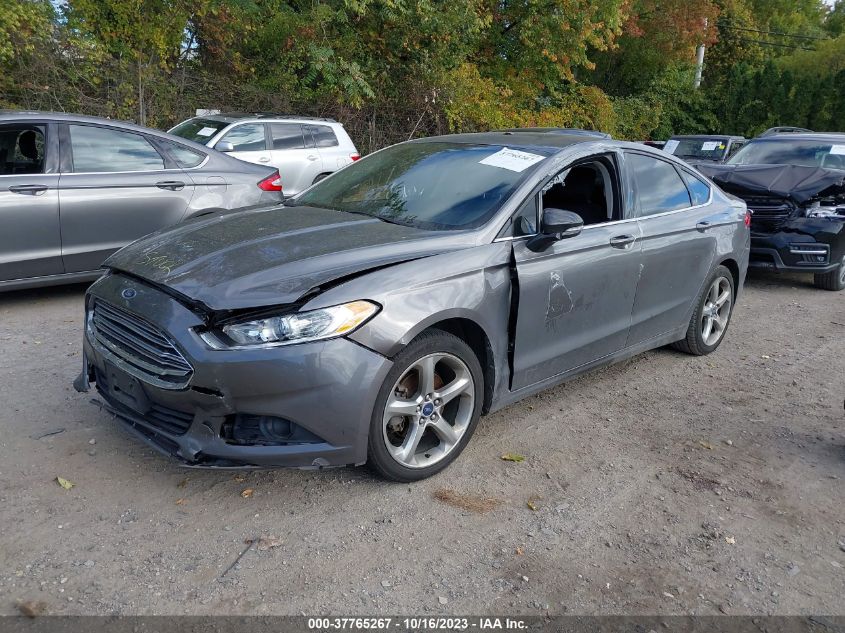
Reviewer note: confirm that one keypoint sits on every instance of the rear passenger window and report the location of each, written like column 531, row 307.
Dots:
column 659, row 187
column 248, row 137
column 699, row 190
column 185, row 157
column 21, row 149
column 323, row 136
column 287, row 136
column 100, row 149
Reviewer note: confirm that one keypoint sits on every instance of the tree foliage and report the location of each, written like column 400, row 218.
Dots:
column 394, row 69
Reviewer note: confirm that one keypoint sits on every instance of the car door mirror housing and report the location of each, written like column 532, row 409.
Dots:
column 224, row 146
column 557, row 224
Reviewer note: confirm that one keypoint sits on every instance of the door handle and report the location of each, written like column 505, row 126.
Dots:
column 312, row 157
column 622, row 241
column 263, row 159
column 28, row 190
column 173, row 185
column 703, row 225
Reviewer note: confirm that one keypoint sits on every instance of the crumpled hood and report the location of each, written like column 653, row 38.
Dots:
column 273, row 256
column 789, row 182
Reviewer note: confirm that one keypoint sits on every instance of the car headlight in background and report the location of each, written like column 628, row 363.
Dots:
column 294, row 327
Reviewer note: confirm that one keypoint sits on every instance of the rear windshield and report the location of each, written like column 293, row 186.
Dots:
column 198, row 130
column 792, row 152
column 429, row 185
column 697, row 148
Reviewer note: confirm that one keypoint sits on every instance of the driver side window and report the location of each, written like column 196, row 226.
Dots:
column 586, row 188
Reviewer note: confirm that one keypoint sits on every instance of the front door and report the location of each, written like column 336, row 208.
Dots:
column 30, row 239
column 115, row 188
column 575, row 300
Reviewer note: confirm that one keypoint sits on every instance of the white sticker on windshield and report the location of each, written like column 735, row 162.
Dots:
column 671, row 146
column 839, row 150
column 206, row 131
column 512, row 159
column 709, row 146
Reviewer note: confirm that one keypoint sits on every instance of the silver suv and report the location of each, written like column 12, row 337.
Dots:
column 303, row 149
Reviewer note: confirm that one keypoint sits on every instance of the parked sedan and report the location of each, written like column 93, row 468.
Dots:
column 392, row 304
column 74, row 189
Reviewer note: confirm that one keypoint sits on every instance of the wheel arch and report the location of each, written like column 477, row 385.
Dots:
column 733, row 266
column 471, row 333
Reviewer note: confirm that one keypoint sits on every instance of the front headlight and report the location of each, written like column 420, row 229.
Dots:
column 296, row 327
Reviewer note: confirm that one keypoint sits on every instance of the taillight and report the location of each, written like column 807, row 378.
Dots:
column 273, row 182
column 748, row 218
column 354, row 157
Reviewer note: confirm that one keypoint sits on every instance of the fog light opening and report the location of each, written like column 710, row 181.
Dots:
column 264, row 430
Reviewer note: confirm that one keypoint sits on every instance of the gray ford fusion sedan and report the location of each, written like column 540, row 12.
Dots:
column 379, row 313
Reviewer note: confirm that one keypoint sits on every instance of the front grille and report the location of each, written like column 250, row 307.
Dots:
column 768, row 214
column 164, row 418
column 139, row 347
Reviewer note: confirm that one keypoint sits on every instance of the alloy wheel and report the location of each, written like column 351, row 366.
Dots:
column 717, row 311
column 429, row 410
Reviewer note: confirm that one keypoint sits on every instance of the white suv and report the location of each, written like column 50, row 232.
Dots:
column 303, row 149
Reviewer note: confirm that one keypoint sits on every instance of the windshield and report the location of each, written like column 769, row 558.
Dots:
column 198, row 130
column 698, row 148
column 429, row 185
column 792, row 152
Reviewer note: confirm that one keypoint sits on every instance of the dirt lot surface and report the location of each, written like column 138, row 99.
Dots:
column 666, row 484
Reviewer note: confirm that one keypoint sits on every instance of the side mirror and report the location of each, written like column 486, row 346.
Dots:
column 557, row 225
column 224, row 146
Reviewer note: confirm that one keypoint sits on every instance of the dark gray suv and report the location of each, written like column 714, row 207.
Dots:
column 74, row 189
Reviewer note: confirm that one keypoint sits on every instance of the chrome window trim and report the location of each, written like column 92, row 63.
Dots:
column 101, row 173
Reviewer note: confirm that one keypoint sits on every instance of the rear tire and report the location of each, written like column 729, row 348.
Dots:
column 834, row 280
column 712, row 315
column 319, row 178
column 427, row 409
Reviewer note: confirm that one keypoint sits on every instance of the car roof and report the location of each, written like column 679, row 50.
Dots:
column 10, row 116
column 802, row 136
column 516, row 138
column 231, row 117
column 558, row 130
column 711, row 136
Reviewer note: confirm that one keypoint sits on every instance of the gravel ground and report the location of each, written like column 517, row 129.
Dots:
column 664, row 485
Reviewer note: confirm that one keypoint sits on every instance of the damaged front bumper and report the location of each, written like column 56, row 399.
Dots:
column 303, row 406
column 813, row 245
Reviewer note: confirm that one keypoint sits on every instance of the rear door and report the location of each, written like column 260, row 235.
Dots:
column 30, row 239
column 327, row 143
column 115, row 187
column 298, row 165
column 678, row 243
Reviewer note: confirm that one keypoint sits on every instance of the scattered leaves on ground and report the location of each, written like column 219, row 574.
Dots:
column 533, row 503
column 247, row 493
column 730, row 540
column 268, row 542
column 513, row 457
column 182, row 483
column 65, row 483
column 181, row 501
column 520, row 551
column 240, row 478
column 706, row 445
column 32, row 608
column 469, row 502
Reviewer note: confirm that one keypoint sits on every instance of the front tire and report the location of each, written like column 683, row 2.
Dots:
column 712, row 314
column 834, row 280
column 427, row 408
